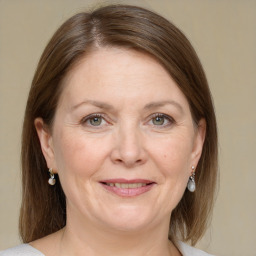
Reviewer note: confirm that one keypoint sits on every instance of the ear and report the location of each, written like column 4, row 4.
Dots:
column 200, row 132
column 46, row 142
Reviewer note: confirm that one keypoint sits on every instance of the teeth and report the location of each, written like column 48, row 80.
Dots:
column 127, row 185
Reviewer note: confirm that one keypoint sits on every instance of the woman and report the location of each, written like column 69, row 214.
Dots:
column 121, row 124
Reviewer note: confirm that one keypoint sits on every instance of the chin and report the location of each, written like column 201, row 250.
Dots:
column 130, row 218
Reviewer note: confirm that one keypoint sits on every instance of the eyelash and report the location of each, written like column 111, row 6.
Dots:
column 155, row 115
column 170, row 120
column 90, row 117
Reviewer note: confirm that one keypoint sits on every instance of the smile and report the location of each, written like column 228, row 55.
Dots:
column 126, row 188
column 126, row 185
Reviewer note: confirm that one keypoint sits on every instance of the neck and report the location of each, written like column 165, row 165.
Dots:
column 88, row 239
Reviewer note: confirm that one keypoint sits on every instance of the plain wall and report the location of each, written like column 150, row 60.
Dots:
column 223, row 33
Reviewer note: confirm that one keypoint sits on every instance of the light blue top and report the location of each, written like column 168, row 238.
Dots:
column 28, row 250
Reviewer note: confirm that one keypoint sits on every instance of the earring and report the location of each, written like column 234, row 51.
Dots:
column 191, row 182
column 52, row 180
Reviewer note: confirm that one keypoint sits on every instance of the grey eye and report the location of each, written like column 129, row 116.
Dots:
column 95, row 121
column 158, row 120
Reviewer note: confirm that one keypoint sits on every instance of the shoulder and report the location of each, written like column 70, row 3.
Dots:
column 187, row 250
column 21, row 250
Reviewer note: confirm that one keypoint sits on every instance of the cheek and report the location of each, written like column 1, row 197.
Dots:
column 173, row 154
column 173, row 161
column 78, row 155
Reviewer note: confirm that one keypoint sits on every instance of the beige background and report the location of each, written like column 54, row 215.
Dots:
column 224, row 35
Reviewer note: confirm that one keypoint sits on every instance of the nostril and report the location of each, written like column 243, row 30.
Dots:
column 127, row 154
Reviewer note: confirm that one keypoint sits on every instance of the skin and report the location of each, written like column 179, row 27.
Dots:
column 129, row 141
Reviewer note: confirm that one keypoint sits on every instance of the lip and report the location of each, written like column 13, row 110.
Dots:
column 128, row 192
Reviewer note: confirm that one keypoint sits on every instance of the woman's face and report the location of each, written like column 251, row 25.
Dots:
column 123, row 141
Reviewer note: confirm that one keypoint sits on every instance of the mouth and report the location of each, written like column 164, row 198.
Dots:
column 127, row 188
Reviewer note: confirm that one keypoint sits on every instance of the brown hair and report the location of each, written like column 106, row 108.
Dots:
column 43, row 208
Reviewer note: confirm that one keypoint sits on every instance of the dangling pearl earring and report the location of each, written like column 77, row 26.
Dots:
column 52, row 180
column 191, row 182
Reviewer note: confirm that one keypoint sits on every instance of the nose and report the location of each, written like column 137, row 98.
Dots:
column 129, row 148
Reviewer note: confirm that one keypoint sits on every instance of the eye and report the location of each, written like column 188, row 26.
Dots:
column 93, row 120
column 160, row 119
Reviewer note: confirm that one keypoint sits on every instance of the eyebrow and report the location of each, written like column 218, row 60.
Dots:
column 163, row 103
column 149, row 106
column 98, row 104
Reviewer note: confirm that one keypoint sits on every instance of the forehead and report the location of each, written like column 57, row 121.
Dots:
column 112, row 62
column 116, row 74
